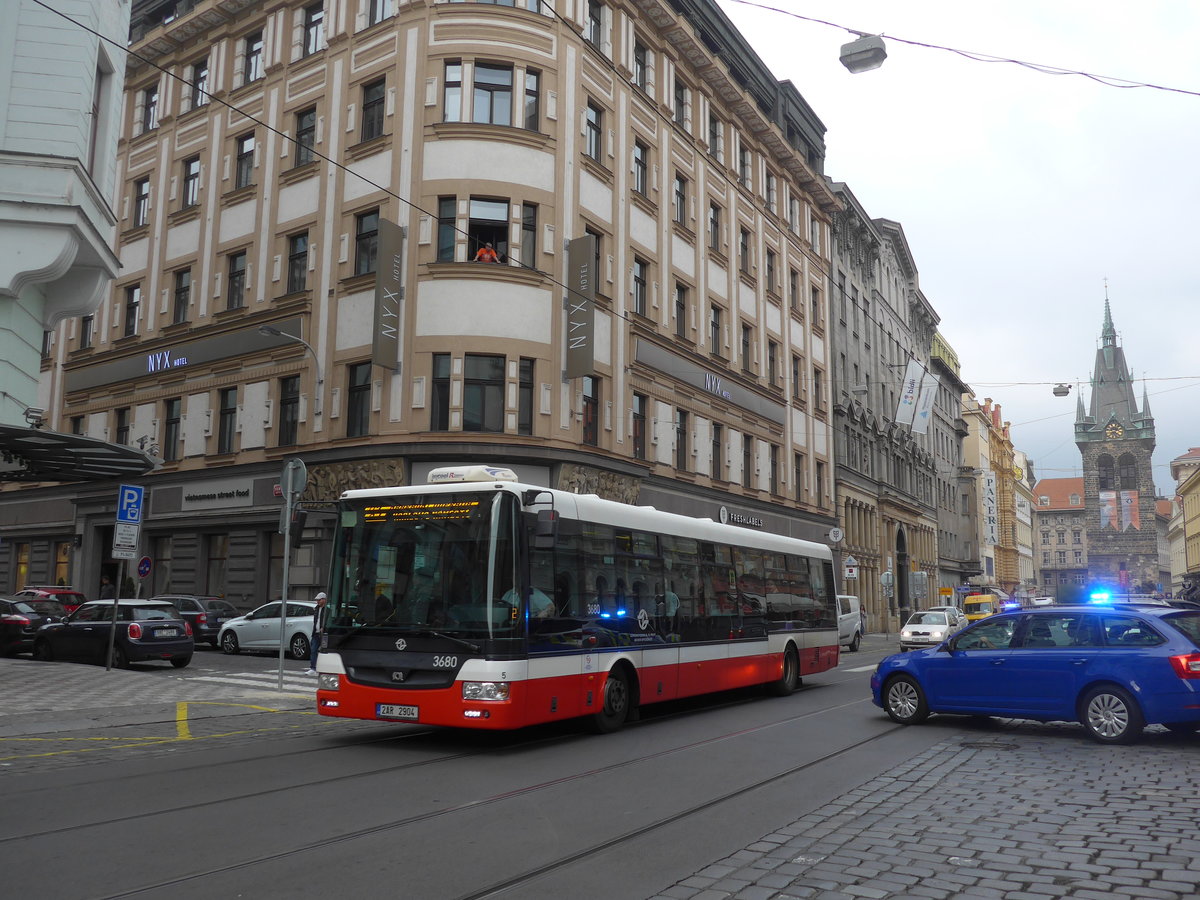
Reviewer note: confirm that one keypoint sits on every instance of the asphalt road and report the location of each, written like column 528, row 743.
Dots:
column 236, row 790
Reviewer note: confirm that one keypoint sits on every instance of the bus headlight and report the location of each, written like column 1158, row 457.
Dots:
column 485, row 690
column 328, row 681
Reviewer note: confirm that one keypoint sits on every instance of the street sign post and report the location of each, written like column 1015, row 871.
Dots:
column 126, row 532
column 293, row 482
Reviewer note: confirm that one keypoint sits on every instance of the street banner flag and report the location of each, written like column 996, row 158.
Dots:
column 929, row 389
column 1130, row 517
column 906, row 406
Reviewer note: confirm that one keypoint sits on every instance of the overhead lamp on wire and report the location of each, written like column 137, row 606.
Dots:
column 1061, row 390
column 864, row 54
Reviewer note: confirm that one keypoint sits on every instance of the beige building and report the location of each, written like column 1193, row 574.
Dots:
column 1185, row 547
column 988, row 452
column 1027, row 585
column 266, row 149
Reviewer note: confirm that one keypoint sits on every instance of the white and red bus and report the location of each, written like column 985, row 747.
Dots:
column 476, row 601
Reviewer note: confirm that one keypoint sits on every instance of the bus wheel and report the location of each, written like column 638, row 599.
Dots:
column 617, row 701
column 790, row 678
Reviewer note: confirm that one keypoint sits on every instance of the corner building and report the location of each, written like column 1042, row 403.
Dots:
column 260, row 170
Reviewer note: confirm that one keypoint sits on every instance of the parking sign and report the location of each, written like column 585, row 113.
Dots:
column 129, row 504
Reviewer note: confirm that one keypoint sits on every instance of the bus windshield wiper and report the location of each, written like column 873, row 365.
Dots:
column 426, row 632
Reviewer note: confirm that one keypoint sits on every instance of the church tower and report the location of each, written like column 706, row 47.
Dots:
column 1116, row 439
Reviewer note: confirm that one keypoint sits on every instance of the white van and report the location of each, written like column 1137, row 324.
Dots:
column 850, row 628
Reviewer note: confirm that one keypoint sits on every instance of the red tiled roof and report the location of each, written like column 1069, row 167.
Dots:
column 1059, row 491
column 1164, row 508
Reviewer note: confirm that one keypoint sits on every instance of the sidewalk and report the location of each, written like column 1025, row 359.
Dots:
column 50, row 698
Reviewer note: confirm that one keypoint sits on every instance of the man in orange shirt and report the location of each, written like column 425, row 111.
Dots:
column 487, row 254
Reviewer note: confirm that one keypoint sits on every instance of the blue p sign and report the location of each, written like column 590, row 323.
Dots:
column 129, row 504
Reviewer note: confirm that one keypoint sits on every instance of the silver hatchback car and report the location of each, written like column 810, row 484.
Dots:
column 928, row 628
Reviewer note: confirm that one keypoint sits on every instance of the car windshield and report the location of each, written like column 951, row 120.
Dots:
column 928, row 618
column 979, row 606
column 1187, row 622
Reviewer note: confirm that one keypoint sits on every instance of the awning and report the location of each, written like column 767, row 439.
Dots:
column 35, row 454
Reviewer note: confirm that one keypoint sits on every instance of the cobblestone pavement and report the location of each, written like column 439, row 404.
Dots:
column 1017, row 811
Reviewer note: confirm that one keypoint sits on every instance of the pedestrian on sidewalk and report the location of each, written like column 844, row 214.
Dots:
column 862, row 612
column 107, row 591
column 318, row 630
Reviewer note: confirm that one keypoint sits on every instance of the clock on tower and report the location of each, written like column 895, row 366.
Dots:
column 1113, row 431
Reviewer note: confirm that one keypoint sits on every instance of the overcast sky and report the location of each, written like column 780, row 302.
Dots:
column 1021, row 192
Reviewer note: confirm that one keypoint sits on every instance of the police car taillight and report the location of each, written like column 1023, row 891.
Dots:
column 1186, row 666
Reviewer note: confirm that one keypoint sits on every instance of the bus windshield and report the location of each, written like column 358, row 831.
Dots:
column 430, row 562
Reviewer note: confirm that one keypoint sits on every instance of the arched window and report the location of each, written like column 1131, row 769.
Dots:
column 1104, row 471
column 1127, row 470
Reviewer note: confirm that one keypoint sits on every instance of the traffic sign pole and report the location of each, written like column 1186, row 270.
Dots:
column 126, row 531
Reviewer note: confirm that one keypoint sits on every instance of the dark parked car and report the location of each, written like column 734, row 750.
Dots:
column 20, row 619
column 1114, row 669
column 206, row 615
column 146, row 630
column 70, row 598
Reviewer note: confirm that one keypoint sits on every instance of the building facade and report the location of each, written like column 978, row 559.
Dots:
column 957, row 508
column 1023, row 479
column 1185, row 543
column 887, row 476
column 1116, row 440
column 267, row 309
column 988, row 452
column 1060, row 530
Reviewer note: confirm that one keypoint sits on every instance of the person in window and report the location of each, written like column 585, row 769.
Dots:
column 540, row 605
column 487, row 254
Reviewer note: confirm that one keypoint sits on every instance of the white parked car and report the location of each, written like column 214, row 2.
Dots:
column 259, row 630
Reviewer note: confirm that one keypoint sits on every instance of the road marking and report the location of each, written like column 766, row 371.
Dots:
column 262, row 681
column 861, row 669
column 181, row 722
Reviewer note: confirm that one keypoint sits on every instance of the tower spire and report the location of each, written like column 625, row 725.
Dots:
column 1108, row 334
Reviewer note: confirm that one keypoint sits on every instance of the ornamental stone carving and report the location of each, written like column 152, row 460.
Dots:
column 608, row 485
column 326, row 482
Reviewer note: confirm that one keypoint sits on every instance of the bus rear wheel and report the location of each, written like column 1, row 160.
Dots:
column 617, row 701
column 790, row 679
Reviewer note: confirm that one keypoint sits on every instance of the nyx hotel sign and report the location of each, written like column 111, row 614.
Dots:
column 714, row 385
column 164, row 360
column 389, row 291
column 581, row 315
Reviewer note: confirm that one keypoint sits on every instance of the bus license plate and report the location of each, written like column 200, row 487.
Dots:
column 391, row 711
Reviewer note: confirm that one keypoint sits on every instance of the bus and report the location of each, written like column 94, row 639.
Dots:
column 476, row 601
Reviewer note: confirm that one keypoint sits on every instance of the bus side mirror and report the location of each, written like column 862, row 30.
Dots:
column 545, row 532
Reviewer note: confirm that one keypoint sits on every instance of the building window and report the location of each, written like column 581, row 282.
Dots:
column 680, row 97
column 452, row 93
column 744, row 250
column 595, row 118
column 373, row 109
column 226, row 419
column 237, row 281
column 772, row 193
column 252, row 66
column 488, row 224
column 122, row 431
column 718, row 451
column 358, row 400
column 1127, row 472
column 183, row 296
column 747, row 461
column 289, row 411
column 714, row 135
column 744, row 166
column 87, row 332
column 819, row 483
column 306, row 136
column 816, row 305
column 591, row 410
column 447, row 230
column 798, row 479
column 681, row 440
column 714, row 330
column 771, row 285
column 639, row 286
column 794, row 290
column 714, row 227
column 366, row 242
column 774, row 458
column 483, row 393
column 747, row 347
column 533, row 103
column 378, row 10
column 639, row 426
column 150, row 108
column 681, row 305
column 1062, row 538
column 772, row 362
column 679, row 200
column 641, row 156
column 1076, row 537
column 141, row 202
column 199, row 83
column 244, row 176
column 191, row 182
column 314, row 28
column 172, row 421
column 1045, row 537
column 529, row 235
column 525, row 397
column 492, row 96
column 640, row 68
column 133, row 301
column 439, row 407
column 594, row 29
column 1060, row 557
column 297, row 271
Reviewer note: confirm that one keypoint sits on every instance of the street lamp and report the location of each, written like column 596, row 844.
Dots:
column 864, row 54
column 272, row 331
